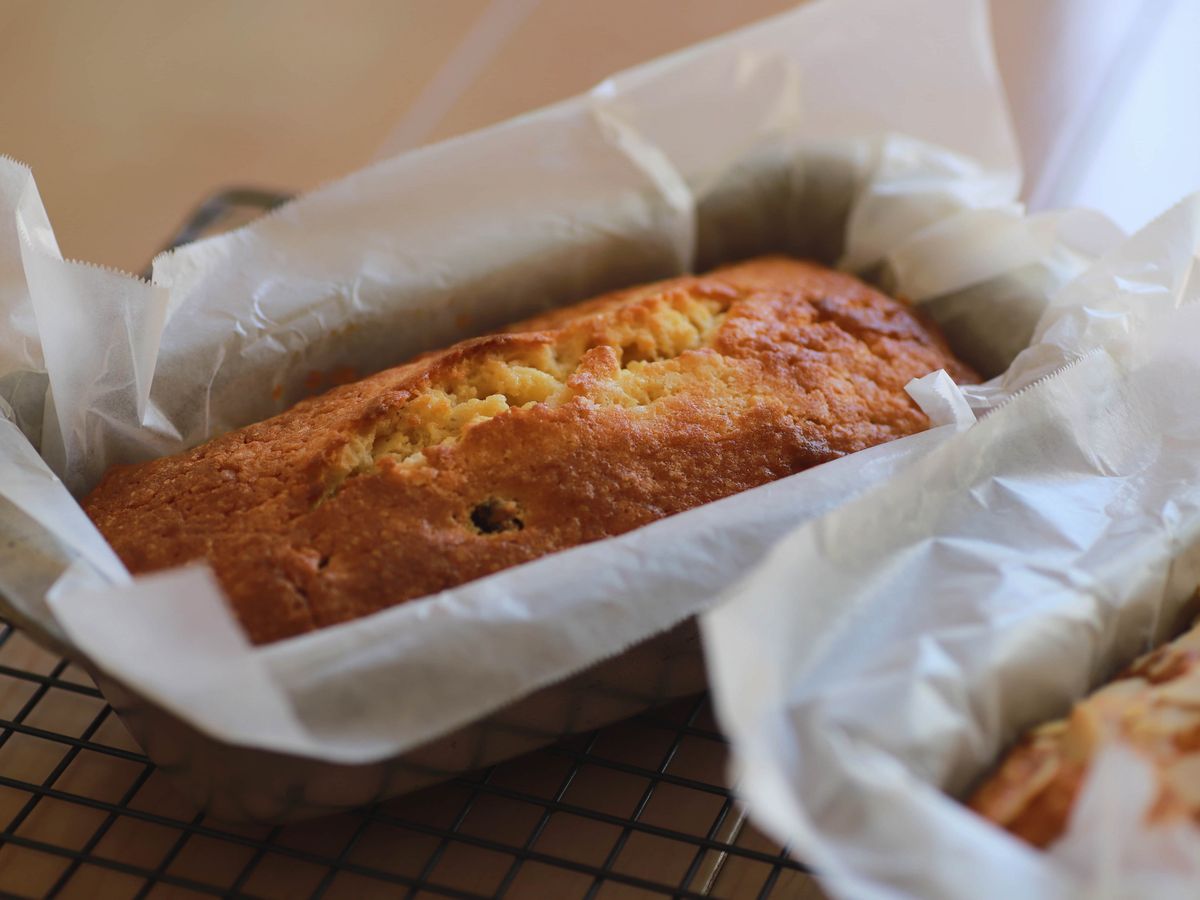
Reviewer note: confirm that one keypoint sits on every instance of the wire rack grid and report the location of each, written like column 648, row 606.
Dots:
column 638, row 809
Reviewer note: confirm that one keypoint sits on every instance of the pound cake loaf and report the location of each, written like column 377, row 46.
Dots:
column 1153, row 707
column 574, row 426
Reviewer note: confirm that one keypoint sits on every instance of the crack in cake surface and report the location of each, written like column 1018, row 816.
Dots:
column 647, row 339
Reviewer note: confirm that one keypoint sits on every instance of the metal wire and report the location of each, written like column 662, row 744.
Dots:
column 690, row 855
column 222, row 211
column 411, row 832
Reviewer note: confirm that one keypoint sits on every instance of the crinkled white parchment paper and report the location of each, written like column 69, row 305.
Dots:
column 867, row 130
column 888, row 651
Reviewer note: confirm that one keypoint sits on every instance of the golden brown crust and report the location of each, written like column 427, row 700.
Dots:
column 591, row 421
column 1153, row 708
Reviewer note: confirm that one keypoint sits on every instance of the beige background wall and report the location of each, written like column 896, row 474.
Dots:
column 131, row 111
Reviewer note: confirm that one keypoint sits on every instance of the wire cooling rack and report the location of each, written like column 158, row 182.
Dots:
column 635, row 810
column 638, row 809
